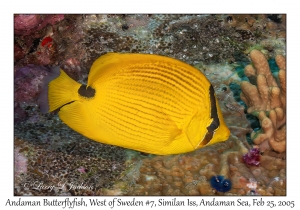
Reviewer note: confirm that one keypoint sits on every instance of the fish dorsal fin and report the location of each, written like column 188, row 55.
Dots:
column 104, row 65
column 112, row 63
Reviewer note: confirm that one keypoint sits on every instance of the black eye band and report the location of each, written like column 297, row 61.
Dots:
column 214, row 115
column 214, row 111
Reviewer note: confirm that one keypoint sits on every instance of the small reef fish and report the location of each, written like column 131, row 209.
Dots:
column 149, row 103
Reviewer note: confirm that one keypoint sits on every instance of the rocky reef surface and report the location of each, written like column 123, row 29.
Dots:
column 252, row 162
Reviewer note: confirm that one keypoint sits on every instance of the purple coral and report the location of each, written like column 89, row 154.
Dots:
column 27, row 85
column 27, row 82
column 252, row 157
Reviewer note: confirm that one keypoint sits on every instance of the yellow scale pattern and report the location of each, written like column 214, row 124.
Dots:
column 149, row 103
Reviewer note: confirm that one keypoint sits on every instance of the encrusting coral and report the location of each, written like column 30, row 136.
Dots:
column 215, row 170
column 266, row 99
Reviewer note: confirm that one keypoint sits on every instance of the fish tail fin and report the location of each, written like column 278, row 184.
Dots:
column 58, row 89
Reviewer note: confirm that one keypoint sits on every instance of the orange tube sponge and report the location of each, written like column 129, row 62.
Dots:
column 266, row 99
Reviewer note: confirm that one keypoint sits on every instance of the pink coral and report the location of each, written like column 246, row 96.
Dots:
column 20, row 162
column 82, row 169
column 27, row 24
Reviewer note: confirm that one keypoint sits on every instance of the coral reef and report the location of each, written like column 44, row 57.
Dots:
column 27, row 85
column 54, row 160
column 266, row 99
column 272, row 24
column 48, row 153
column 190, row 174
column 27, row 24
column 27, row 82
column 267, row 31
column 191, row 38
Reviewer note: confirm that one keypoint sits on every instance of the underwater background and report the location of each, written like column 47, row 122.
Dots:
column 48, row 153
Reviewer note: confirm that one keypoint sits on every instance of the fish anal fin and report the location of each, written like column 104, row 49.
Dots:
column 77, row 117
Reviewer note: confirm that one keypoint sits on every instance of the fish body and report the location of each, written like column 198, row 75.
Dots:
column 150, row 103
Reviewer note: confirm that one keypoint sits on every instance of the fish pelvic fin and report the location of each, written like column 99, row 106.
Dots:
column 59, row 90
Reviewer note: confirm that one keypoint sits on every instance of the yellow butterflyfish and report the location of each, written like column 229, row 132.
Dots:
column 149, row 103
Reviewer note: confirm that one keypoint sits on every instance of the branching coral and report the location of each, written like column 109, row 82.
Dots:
column 266, row 99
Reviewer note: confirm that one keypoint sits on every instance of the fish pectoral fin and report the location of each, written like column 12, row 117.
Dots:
column 169, row 129
column 77, row 117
